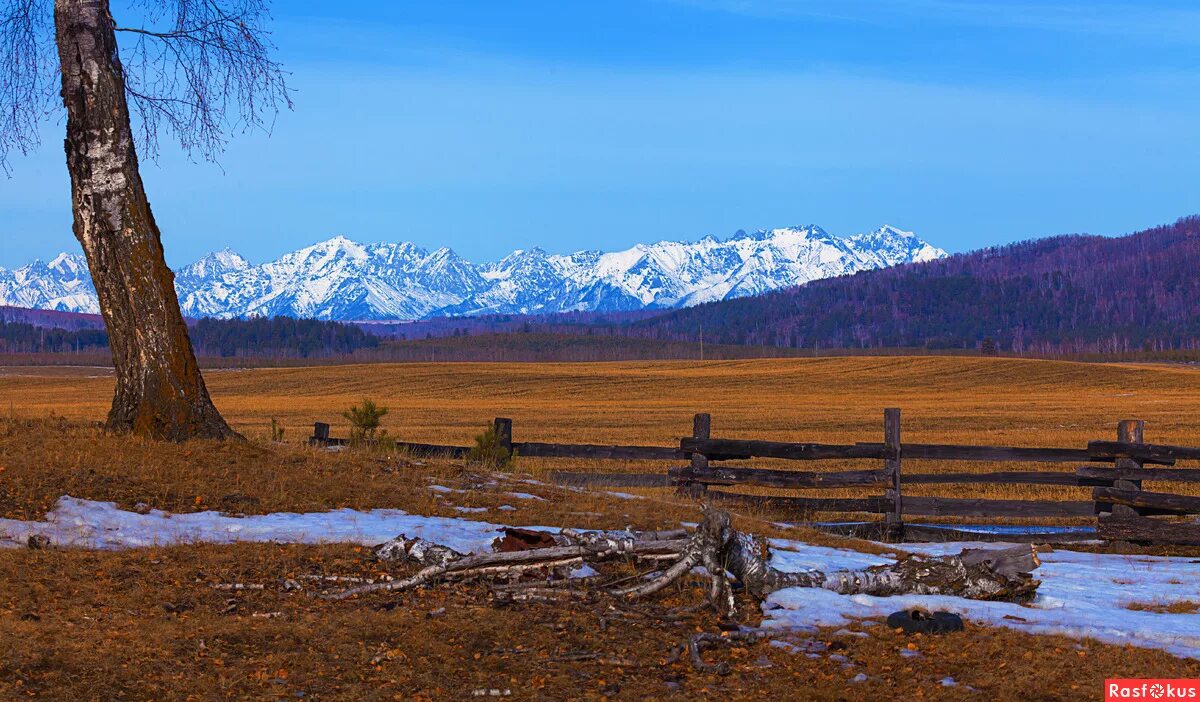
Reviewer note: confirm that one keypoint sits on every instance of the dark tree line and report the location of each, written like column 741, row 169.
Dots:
column 279, row 337
column 22, row 337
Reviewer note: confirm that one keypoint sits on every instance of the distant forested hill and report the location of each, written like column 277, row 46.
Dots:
column 1067, row 294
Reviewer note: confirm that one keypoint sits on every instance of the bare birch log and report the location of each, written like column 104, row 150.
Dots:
column 595, row 546
column 975, row 573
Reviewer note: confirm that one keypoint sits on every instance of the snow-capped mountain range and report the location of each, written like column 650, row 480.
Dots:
column 341, row 279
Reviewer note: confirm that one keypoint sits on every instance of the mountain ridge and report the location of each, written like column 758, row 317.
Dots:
column 345, row 280
column 1056, row 295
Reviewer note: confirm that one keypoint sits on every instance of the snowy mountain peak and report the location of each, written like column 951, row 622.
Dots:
column 69, row 263
column 215, row 264
column 342, row 279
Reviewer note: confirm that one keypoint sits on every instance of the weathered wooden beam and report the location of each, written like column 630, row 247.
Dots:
column 791, row 479
column 1011, row 477
column 735, row 449
column 952, row 452
column 701, row 431
column 534, row 449
column 970, row 507
column 1129, row 433
column 1148, row 453
column 504, row 433
column 1154, row 500
column 583, row 479
column 875, row 505
column 1144, row 529
column 891, row 466
column 1170, row 475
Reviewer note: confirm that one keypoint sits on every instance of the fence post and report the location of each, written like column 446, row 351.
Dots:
column 701, row 429
column 320, row 433
column 503, row 428
column 894, row 520
column 1131, row 431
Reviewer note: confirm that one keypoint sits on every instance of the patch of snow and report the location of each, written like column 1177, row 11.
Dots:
column 1082, row 595
column 101, row 525
column 525, row 496
column 584, row 571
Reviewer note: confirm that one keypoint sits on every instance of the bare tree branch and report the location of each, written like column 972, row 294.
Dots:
column 200, row 70
column 203, row 69
column 28, row 74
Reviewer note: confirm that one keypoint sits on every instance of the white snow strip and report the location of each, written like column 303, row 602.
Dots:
column 525, row 496
column 101, row 525
column 1082, row 595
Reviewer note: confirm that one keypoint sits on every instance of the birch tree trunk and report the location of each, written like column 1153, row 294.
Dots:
column 160, row 393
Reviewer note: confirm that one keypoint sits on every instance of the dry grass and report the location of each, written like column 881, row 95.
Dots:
column 1181, row 607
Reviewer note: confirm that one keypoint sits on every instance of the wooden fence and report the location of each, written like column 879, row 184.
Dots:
column 1124, row 509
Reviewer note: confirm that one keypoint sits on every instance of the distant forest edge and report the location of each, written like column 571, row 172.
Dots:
column 282, row 337
column 1133, row 297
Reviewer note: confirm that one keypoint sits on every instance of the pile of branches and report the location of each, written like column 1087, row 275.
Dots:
column 536, row 566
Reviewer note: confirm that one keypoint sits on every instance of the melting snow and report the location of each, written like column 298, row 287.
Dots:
column 1082, row 595
column 101, row 525
column 525, row 496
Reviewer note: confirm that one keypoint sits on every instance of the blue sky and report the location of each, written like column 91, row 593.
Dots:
column 488, row 126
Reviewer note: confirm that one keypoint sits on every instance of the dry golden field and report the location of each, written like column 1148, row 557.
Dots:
column 944, row 399
column 145, row 624
column 987, row 401
column 963, row 400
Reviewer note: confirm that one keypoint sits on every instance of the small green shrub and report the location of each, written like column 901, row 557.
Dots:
column 364, row 420
column 489, row 453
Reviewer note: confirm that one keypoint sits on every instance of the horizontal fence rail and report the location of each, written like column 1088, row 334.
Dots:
column 1170, row 475
column 737, row 449
column 877, row 505
column 532, row 449
column 781, row 478
column 970, row 507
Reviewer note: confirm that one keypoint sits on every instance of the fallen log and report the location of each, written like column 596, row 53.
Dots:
column 974, row 573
